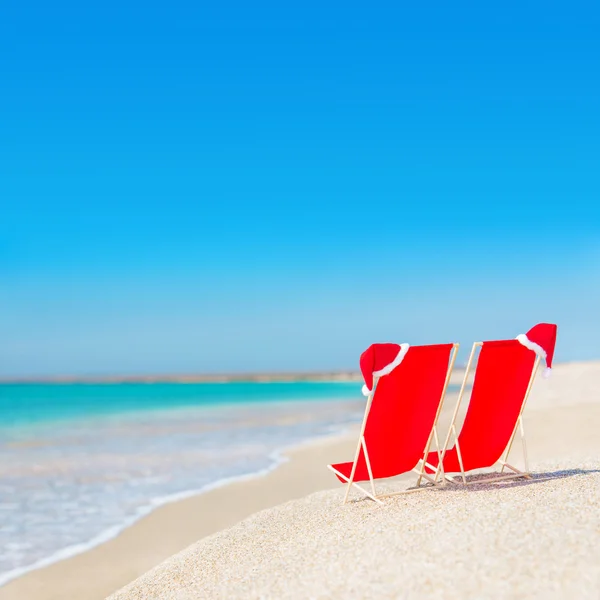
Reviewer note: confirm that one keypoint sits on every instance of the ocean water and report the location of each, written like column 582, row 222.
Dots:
column 79, row 462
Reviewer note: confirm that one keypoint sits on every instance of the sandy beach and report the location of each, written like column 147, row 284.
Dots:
column 288, row 535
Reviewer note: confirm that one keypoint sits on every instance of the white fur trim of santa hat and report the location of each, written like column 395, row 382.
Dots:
column 523, row 339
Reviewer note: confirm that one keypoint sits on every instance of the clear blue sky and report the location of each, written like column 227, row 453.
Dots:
column 263, row 186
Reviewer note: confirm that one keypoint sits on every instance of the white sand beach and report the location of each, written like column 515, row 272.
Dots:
column 538, row 539
column 520, row 539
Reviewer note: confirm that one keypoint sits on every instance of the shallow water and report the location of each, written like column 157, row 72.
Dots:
column 82, row 462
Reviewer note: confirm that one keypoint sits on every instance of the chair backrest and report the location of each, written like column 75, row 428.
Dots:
column 403, row 412
column 503, row 373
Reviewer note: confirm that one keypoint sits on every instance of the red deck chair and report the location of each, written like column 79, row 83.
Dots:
column 405, row 387
column 503, row 380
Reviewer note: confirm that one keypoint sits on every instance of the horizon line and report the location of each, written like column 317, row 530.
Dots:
column 339, row 375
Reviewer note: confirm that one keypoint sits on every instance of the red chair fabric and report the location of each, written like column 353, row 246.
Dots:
column 501, row 379
column 402, row 414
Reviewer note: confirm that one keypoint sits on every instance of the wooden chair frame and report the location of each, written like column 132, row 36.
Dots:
column 504, row 457
column 420, row 471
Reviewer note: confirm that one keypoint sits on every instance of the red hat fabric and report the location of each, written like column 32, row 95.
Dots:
column 541, row 338
column 378, row 360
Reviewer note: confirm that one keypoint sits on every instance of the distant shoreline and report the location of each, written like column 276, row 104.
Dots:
column 268, row 377
column 336, row 377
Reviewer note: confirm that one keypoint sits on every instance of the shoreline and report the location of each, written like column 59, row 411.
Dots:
column 308, row 377
column 33, row 578
column 325, row 378
column 278, row 457
column 350, row 376
column 45, row 546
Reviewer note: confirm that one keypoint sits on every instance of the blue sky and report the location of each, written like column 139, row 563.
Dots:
column 241, row 187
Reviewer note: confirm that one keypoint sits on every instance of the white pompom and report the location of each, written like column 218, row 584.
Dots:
column 547, row 372
column 365, row 390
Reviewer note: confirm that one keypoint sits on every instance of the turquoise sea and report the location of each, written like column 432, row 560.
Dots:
column 79, row 462
column 23, row 404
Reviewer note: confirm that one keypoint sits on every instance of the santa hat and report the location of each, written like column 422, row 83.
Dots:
column 378, row 360
column 541, row 339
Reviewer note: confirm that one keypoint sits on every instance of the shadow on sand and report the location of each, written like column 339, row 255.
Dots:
column 489, row 483
column 473, row 486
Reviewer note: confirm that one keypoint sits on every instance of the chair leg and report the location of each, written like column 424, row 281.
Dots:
column 354, row 484
column 524, row 444
column 525, row 473
column 364, row 446
column 459, row 454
